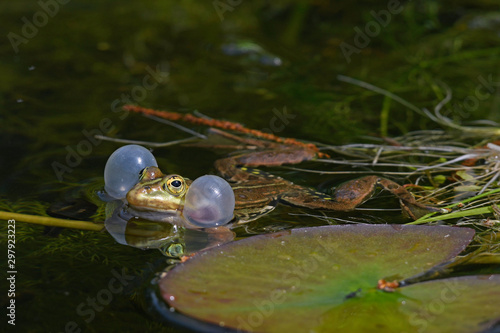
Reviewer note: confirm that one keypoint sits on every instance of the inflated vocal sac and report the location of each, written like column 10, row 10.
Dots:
column 123, row 169
column 209, row 202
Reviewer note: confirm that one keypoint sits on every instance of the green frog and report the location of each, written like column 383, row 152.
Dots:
column 257, row 192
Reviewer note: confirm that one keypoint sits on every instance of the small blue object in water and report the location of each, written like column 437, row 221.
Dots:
column 209, row 202
column 252, row 52
column 123, row 167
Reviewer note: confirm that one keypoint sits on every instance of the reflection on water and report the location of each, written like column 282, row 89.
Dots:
column 171, row 237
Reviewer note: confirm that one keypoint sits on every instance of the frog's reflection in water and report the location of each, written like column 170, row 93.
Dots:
column 170, row 236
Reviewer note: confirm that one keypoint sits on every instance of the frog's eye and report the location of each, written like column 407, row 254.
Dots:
column 175, row 185
column 123, row 167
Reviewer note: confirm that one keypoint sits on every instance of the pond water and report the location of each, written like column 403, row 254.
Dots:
column 69, row 66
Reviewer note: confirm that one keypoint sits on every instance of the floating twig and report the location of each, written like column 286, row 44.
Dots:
column 222, row 124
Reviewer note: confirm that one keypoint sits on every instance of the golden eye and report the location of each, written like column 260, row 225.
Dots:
column 175, row 185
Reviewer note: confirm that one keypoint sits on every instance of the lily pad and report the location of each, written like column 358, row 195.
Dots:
column 325, row 279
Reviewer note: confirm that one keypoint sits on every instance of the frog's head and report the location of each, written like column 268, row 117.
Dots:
column 158, row 192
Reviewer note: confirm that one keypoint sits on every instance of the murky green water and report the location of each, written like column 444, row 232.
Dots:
column 67, row 68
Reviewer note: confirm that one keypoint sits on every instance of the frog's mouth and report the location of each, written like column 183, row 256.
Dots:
column 169, row 215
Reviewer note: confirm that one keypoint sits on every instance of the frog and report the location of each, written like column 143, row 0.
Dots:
column 257, row 192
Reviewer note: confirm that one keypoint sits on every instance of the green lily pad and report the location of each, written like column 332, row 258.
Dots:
column 325, row 279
